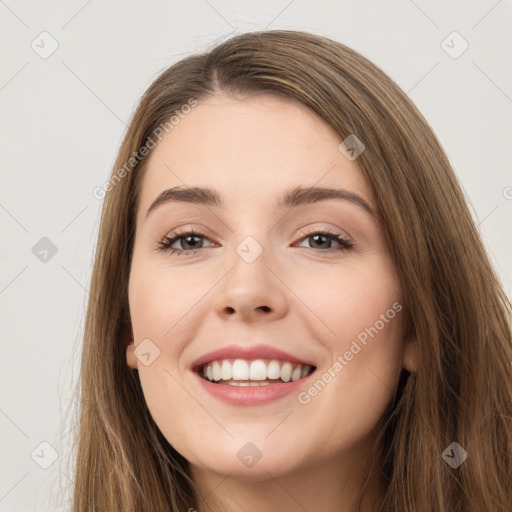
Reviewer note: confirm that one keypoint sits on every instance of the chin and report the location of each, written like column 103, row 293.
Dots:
column 248, row 458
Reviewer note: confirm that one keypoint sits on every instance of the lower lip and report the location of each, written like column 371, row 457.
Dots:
column 251, row 395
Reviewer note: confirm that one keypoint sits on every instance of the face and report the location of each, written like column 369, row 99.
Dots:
column 263, row 289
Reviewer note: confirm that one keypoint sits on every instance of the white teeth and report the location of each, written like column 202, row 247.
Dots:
column 227, row 370
column 274, row 370
column 286, row 371
column 258, row 370
column 240, row 372
column 217, row 374
column 297, row 371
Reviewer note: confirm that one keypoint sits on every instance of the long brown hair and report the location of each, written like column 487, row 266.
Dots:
column 454, row 306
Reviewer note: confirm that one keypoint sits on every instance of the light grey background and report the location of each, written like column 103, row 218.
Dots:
column 62, row 120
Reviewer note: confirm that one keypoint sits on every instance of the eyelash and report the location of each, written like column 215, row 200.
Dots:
column 165, row 244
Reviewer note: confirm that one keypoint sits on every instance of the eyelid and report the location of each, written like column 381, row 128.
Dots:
column 331, row 229
column 203, row 232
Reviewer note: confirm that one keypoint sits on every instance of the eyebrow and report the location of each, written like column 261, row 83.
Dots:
column 298, row 196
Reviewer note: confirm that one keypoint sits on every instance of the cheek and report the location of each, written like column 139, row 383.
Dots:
column 350, row 299
column 361, row 327
column 162, row 302
column 161, row 298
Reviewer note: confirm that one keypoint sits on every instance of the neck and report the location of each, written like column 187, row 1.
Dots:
column 326, row 487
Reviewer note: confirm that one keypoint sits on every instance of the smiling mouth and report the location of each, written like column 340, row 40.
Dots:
column 257, row 372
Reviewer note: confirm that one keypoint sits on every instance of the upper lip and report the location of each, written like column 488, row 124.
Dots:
column 250, row 353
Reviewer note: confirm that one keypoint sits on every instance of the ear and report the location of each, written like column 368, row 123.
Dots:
column 131, row 360
column 411, row 356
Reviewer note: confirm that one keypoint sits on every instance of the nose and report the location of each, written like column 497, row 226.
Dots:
column 251, row 292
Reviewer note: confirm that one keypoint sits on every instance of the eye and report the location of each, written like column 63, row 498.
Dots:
column 321, row 237
column 188, row 240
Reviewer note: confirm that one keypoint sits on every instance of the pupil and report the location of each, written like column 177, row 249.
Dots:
column 187, row 240
column 315, row 237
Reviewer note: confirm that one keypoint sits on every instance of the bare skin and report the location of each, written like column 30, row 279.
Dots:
column 302, row 294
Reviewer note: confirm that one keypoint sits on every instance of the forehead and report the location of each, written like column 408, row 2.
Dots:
column 250, row 148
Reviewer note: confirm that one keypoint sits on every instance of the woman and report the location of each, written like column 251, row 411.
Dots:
column 230, row 360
